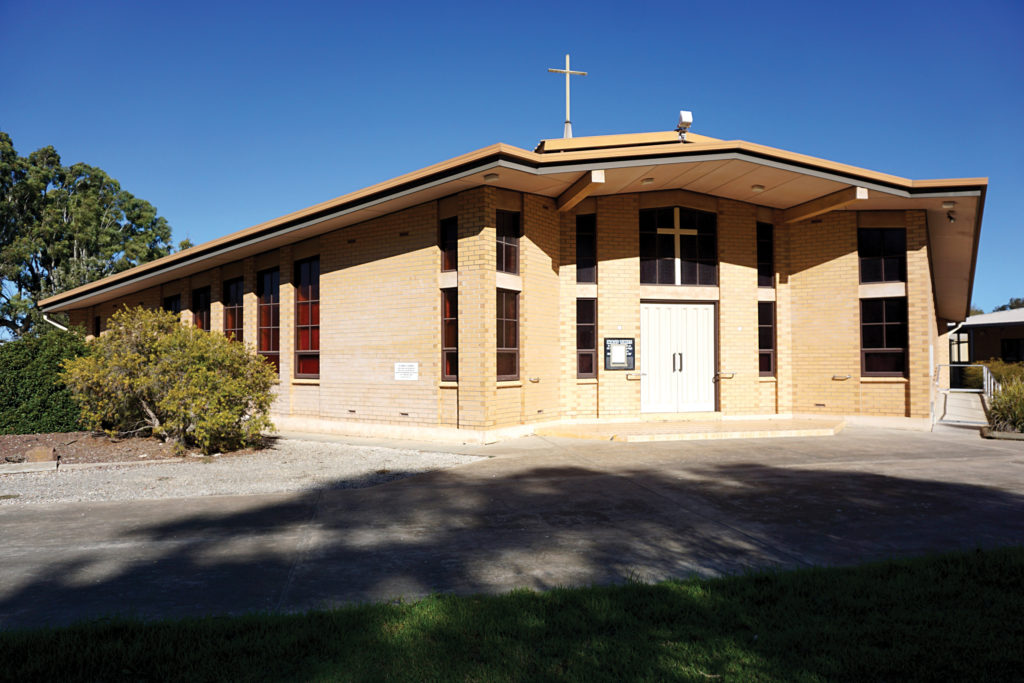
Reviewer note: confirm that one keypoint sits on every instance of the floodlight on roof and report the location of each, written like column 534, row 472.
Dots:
column 685, row 121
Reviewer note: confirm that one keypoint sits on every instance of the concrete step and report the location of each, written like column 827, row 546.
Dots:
column 693, row 430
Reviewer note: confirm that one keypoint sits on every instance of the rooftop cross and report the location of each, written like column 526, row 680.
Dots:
column 567, row 72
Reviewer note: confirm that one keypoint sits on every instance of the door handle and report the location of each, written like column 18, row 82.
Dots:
column 680, row 361
column 673, row 362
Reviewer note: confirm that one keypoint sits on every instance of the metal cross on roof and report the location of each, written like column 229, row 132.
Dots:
column 568, row 72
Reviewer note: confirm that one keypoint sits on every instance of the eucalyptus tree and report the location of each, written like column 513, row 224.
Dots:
column 64, row 226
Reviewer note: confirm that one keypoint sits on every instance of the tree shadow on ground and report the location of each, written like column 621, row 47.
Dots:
column 463, row 531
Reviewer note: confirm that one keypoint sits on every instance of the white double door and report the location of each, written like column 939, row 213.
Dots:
column 677, row 357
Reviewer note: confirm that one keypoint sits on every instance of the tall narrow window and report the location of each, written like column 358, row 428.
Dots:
column 678, row 246
column 268, row 316
column 307, row 318
column 449, row 334
column 96, row 327
column 883, row 254
column 172, row 303
column 201, row 308
column 765, row 255
column 450, row 243
column 586, row 338
column 508, row 232
column 586, row 248
column 883, row 330
column 232, row 299
column 766, row 338
column 508, row 334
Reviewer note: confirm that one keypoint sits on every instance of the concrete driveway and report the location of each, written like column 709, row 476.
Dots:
column 542, row 513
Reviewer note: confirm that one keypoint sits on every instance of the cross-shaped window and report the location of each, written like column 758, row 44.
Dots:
column 678, row 246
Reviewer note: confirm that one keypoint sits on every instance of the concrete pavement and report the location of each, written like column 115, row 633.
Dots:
column 542, row 512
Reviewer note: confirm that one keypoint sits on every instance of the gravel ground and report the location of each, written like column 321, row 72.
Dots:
column 290, row 465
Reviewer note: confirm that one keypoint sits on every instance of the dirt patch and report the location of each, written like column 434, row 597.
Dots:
column 82, row 447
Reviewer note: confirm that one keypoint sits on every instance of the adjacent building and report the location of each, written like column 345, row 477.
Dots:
column 610, row 278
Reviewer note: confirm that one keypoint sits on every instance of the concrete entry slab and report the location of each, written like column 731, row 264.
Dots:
column 694, row 430
column 544, row 512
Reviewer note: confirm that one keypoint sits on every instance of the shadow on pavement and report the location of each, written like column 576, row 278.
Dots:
column 464, row 531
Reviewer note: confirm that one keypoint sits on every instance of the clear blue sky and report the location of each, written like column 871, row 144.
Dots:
column 225, row 115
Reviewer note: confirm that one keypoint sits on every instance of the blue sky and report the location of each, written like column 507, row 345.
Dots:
column 224, row 115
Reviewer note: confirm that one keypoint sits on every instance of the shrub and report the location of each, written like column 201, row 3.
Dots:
column 1007, row 410
column 1005, row 372
column 149, row 374
column 33, row 398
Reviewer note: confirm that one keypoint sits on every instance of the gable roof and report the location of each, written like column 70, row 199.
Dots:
column 640, row 162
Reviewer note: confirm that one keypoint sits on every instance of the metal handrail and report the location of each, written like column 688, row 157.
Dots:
column 989, row 384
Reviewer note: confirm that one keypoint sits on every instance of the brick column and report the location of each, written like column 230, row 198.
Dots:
column 618, row 298
column 539, row 309
column 286, row 268
column 920, row 317
column 783, row 317
column 477, row 308
column 737, row 311
column 216, row 304
column 249, row 302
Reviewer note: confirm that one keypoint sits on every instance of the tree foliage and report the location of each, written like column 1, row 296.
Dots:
column 1014, row 302
column 64, row 226
column 149, row 374
column 33, row 399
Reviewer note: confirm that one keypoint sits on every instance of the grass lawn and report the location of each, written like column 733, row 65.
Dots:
column 950, row 617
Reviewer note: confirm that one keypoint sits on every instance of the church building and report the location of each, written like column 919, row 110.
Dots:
column 652, row 276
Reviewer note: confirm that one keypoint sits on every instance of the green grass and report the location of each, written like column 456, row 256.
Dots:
column 950, row 617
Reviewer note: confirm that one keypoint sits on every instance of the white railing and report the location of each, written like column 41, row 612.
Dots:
column 989, row 385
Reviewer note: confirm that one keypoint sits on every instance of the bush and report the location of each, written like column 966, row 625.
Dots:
column 1005, row 372
column 150, row 375
column 1007, row 410
column 33, row 398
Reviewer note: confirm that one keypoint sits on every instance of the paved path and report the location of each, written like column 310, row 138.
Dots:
column 542, row 513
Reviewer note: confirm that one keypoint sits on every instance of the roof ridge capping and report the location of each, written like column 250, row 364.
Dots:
column 620, row 140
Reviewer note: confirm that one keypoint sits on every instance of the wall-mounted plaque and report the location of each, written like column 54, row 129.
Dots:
column 407, row 371
column 618, row 354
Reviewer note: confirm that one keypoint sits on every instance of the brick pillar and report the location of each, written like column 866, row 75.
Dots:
column 920, row 317
column 618, row 297
column 286, row 268
column 249, row 302
column 539, row 309
column 216, row 304
column 477, row 308
column 737, row 310
column 783, row 316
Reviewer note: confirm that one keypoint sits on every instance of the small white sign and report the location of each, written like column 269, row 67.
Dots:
column 407, row 371
column 618, row 354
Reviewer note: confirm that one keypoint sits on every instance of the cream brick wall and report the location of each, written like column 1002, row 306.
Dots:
column 540, row 312
column 618, row 299
column 920, row 317
column 477, row 309
column 824, row 330
column 737, row 309
column 380, row 304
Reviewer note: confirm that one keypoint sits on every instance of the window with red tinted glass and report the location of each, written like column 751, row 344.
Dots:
column 508, row 334
column 449, row 335
column 450, row 243
column 232, row 299
column 201, row 308
column 268, row 316
column 307, row 318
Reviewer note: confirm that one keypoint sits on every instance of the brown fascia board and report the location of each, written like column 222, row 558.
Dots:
column 498, row 152
column 974, row 251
